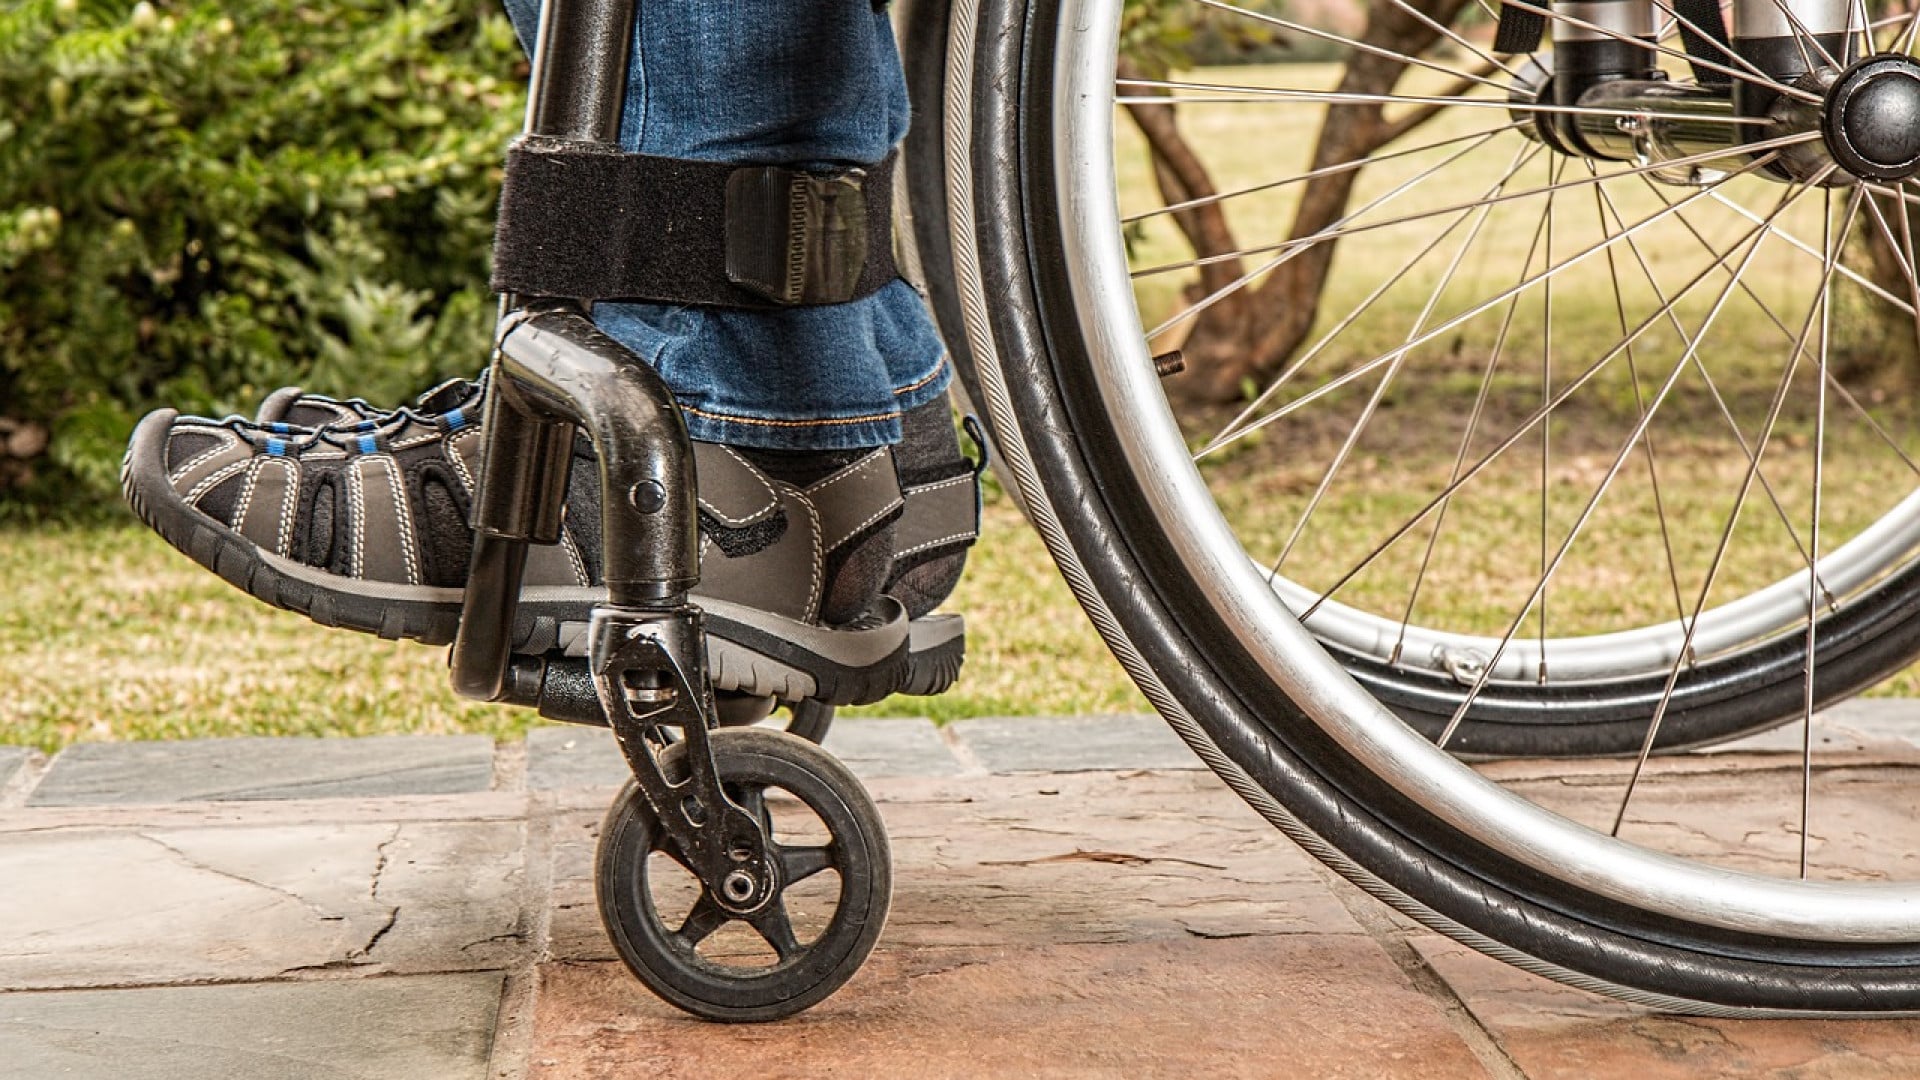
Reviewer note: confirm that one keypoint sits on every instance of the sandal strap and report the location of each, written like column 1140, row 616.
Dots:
column 733, row 491
column 786, row 575
column 382, row 538
column 852, row 501
column 939, row 514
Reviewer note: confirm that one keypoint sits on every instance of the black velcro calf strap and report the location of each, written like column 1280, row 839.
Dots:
column 1519, row 30
column 589, row 222
column 1703, row 30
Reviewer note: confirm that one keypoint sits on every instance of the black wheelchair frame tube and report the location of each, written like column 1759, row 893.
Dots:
column 553, row 372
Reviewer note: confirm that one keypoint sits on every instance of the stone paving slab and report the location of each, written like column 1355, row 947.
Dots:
column 1130, row 920
column 1307, row 1005
column 576, row 756
column 1073, row 743
column 479, row 806
column 876, row 748
column 1858, row 724
column 573, row 756
column 1554, row 1032
column 12, row 760
column 422, row 1028
column 278, row 768
column 111, row 907
column 1139, row 924
column 1084, row 859
column 1741, row 811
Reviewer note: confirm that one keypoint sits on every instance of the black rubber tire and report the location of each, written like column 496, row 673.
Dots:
column 1123, row 563
column 1728, row 696
column 809, row 720
column 764, row 758
column 922, row 27
column 1755, row 689
column 1871, row 637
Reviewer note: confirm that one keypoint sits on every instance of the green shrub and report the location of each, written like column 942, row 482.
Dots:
column 201, row 201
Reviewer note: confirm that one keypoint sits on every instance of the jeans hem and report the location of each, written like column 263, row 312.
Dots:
column 816, row 433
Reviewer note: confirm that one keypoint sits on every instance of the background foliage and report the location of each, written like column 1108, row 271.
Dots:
column 201, row 201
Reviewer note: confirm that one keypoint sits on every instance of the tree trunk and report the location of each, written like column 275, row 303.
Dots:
column 1250, row 332
column 1881, row 343
column 1183, row 178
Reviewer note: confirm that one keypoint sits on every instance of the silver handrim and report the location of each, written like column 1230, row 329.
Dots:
column 1239, row 591
column 1764, row 608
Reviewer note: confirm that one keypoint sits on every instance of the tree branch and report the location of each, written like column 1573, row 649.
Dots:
column 1204, row 225
column 1411, row 119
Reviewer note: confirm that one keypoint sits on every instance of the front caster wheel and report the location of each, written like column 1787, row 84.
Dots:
column 810, row 720
column 836, row 880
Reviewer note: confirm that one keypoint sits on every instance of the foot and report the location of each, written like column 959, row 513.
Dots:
column 362, row 524
column 940, row 491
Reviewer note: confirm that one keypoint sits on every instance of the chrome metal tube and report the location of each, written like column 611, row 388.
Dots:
column 1670, row 122
column 1786, row 39
column 1789, row 18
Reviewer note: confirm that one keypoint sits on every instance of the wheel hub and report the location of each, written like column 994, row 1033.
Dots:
column 1871, row 118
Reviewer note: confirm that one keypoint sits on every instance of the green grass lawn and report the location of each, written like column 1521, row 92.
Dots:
column 107, row 633
column 1433, row 254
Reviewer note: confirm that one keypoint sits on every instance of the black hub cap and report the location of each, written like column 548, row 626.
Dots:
column 1872, row 118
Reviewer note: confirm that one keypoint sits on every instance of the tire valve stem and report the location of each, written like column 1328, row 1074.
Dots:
column 1169, row 363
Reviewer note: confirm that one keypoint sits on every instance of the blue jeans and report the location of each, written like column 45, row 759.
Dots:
column 810, row 82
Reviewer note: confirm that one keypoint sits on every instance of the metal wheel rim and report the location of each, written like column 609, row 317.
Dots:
column 1883, row 548
column 1150, row 440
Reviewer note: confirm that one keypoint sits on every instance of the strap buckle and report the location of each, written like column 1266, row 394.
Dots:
column 796, row 237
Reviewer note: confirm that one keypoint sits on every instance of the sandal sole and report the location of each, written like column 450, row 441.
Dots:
column 750, row 651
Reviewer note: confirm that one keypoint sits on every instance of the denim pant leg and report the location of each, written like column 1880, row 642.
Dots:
column 811, row 82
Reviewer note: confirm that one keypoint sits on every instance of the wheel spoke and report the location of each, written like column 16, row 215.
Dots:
column 1454, row 36
column 1907, row 33
column 1726, row 536
column 1361, row 46
column 702, row 921
column 1315, row 174
column 1825, row 302
column 671, row 850
column 1809, row 250
column 1713, row 388
column 776, row 929
column 1903, row 253
column 1752, row 244
column 1360, row 309
column 1846, row 396
column 1526, row 425
column 1332, row 232
column 1294, row 251
column 1359, row 426
column 1858, row 22
column 753, row 799
column 1466, row 441
column 1603, row 205
column 1546, row 426
column 1678, row 54
column 797, row 864
column 1801, row 37
column 1458, row 320
column 1679, row 20
column 1236, row 94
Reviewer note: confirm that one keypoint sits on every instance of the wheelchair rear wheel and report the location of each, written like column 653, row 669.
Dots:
column 1642, row 901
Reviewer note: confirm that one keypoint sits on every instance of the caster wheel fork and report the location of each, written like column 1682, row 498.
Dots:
column 703, row 953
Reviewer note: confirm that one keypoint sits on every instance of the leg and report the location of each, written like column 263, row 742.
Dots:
column 789, row 404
